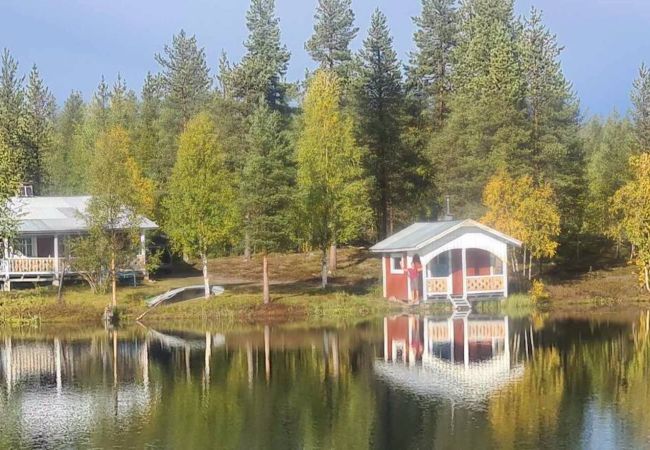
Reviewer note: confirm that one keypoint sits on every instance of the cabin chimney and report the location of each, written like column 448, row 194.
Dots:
column 26, row 190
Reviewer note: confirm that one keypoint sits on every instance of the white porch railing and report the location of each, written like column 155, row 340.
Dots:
column 32, row 265
column 484, row 283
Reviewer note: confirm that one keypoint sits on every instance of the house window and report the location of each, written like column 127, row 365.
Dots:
column 24, row 247
column 396, row 264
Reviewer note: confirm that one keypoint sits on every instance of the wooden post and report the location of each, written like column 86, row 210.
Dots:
column 56, row 255
column 504, row 262
column 265, row 279
column 464, row 264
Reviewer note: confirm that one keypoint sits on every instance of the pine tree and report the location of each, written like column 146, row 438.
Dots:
column 40, row 109
column 9, row 182
column 641, row 108
column 259, row 76
column 430, row 67
column 185, row 77
column 380, row 109
column 332, row 192
column 267, row 188
column 334, row 30
column 148, row 130
column 123, row 105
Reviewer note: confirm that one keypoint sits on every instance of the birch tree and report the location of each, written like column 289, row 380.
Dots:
column 333, row 194
column 200, row 209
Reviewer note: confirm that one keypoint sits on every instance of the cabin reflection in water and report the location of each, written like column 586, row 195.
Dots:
column 462, row 358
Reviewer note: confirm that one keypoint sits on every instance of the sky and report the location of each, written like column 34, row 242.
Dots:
column 75, row 42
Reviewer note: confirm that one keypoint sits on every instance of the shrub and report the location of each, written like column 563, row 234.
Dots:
column 538, row 293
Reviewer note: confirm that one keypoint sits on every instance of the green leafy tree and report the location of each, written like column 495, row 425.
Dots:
column 201, row 212
column 631, row 206
column 9, row 182
column 120, row 195
column 332, row 192
column 267, row 186
column 259, row 76
column 334, row 30
column 429, row 73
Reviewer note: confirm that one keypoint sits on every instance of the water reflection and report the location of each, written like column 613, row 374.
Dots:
column 461, row 358
column 397, row 382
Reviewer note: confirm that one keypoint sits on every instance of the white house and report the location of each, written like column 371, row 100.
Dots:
column 44, row 226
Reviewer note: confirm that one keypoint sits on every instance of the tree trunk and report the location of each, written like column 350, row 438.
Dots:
column 647, row 279
column 333, row 258
column 323, row 262
column 247, row 246
column 265, row 280
column 530, row 267
column 113, row 282
column 525, row 261
column 59, row 296
column 206, row 278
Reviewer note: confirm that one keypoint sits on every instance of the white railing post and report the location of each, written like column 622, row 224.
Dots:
column 56, row 255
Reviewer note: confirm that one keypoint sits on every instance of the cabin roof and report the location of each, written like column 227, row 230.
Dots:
column 56, row 214
column 420, row 234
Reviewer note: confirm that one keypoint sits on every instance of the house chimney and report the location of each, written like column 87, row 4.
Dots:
column 26, row 190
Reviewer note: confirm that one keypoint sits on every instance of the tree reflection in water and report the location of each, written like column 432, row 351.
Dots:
column 399, row 382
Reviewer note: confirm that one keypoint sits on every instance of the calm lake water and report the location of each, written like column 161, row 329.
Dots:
column 399, row 382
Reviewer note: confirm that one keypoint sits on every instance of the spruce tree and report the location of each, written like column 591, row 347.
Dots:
column 40, row 108
column 553, row 113
column 148, row 129
column 430, row 67
column 267, row 184
column 260, row 74
column 379, row 102
column 486, row 129
column 333, row 31
column 123, row 105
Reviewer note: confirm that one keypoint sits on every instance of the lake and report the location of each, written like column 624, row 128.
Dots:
column 461, row 381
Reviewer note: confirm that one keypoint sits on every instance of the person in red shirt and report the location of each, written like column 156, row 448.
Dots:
column 415, row 277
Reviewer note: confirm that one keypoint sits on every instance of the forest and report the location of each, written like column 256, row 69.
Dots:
column 234, row 159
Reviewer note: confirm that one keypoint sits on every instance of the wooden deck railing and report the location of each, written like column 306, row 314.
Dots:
column 485, row 283
column 437, row 285
column 44, row 265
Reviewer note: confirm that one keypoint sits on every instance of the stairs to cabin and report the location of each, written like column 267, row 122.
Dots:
column 460, row 303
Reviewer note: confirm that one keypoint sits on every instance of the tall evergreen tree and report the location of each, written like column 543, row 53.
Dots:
column 333, row 31
column 66, row 170
column 185, row 83
column 12, row 111
column 260, row 74
column 40, row 108
column 487, row 127
column 430, row 67
column 267, row 188
column 123, row 105
column 148, row 129
column 553, row 113
column 641, row 108
column 380, row 109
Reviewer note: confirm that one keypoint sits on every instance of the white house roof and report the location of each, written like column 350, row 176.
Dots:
column 55, row 214
column 421, row 234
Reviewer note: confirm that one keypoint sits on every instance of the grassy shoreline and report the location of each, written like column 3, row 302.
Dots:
column 355, row 295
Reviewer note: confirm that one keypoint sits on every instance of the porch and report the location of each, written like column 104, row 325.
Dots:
column 469, row 273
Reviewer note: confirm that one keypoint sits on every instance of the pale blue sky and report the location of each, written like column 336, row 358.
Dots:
column 74, row 42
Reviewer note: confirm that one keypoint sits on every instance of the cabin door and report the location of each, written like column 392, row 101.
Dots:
column 457, row 272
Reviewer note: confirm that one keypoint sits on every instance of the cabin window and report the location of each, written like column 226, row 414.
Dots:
column 439, row 266
column 26, row 190
column 496, row 265
column 396, row 264
column 24, row 247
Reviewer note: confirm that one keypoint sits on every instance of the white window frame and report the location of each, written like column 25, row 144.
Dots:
column 393, row 270
column 32, row 244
